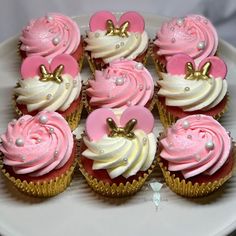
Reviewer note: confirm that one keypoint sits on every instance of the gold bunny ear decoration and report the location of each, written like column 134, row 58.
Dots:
column 120, row 31
column 203, row 73
column 55, row 76
column 126, row 131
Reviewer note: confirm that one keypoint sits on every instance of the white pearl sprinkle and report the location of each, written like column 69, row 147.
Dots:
column 186, row 89
column 43, row 119
column 67, row 85
column 144, row 141
column 173, row 40
column 56, row 40
column 101, row 151
column 74, row 83
column 19, row 142
column 55, row 153
column 201, row 45
column 129, row 103
column 49, row 96
column 198, row 116
column 117, row 46
column 51, row 130
column 180, row 21
column 139, row 66
column 122, row 44
column 185, row 124
column 22, row 158
column 172, row 28
column 140, row 87
column 96, row 35
column 49, row 18
column 125, row 160
column 119, row 81
column 189, row 136
column 39, row 140
column 209, row 145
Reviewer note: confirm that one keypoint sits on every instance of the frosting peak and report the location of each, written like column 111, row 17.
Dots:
column 196, row 144
column 194, row 35
column 37, row 145
column 122, row 84
column 50, row 36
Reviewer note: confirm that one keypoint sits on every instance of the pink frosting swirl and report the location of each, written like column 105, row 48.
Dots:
column 194, row 35
column 196, row 144
column 50, row 36
column 37, row 145
column 124, row 83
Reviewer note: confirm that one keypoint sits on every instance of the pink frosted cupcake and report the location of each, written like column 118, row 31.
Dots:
column 187, row 89
column 122, row 84
column 110, row 39
column 39, row 154
column 193, row 35
column 196, row 156
column 51, row 36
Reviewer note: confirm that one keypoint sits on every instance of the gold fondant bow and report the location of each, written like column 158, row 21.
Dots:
column 120, row 31
column 203, row 73
column 55, row 76
column 121, row 131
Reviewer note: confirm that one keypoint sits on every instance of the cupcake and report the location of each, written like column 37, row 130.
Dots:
column 122, row 84
column 196, row 156
column 39, row 154
column 110, row 39
column 54, row 86
column 193, row 35
column 188, row 89
column 50, row 36
column 118, row 153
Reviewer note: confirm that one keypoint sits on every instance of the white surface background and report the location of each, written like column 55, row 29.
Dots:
column 14, row 14
column 78, row 210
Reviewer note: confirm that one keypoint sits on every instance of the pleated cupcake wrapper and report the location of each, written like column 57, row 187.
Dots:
column 72, row 119
column 93, row 66
column 186, row 188
column 80, row 60
column 151, row 104
column 114, row 190
column 167, row 118
column 42, row 189
column 160, row 67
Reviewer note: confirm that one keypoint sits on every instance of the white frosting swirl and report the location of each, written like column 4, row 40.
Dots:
column 110, row 48
column 122, row 156
column 192, row 95
column 50, row 96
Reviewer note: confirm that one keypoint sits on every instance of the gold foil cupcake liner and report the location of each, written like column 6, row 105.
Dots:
column 114, row 190
column 42, row 189
column 167, row 118
column 73, row 118
column 186, row 188
column 150, row 106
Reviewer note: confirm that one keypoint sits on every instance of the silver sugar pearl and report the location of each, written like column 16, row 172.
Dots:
column 189, row 136
column 49, row 96
column 185, row 124
column 119, row 81
column 101, row 151
column 186, row 89
column 56, row 40
column 173, row 40
column 172, row 28
column 122, row 44
column 125, row 160
column 22, row 158
column 67, row 85
column 49, row 18
column 19, row 142
column 43, row 119
column 55, row 153
column 39, row 140
column 201, row 45
column 51, row 130
column 144, row 141
column 96, row 35
column 117, row 46
column 139, row 66
column 180, row 21
column 209, row 145
column 129, row 103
